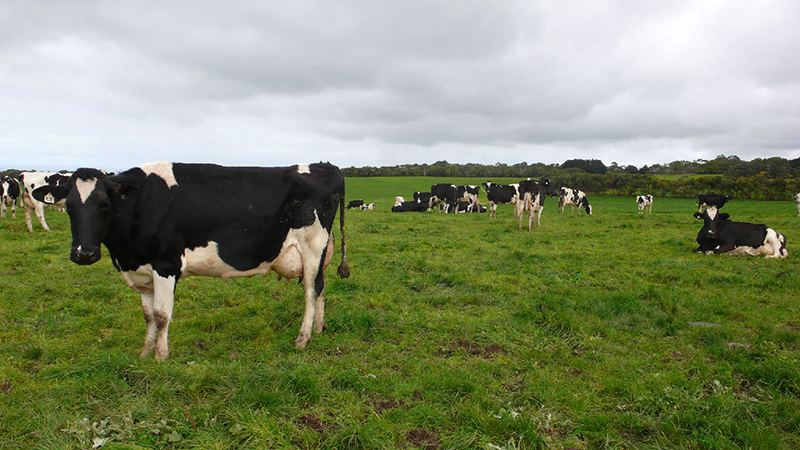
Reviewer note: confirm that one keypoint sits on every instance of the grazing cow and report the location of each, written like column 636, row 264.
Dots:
column 162, row 222
column 716, row 200
column 501, row 194
column 409, row 207
column 720, row 235
column 355, row 204
column 645, row 202
column 797, row 201
column 531, row 198
column 467, row 194
column 423, row 197
column 368, row 207
column 444, row 193
column 10, row 194
column 29, row 181
column 573, row 198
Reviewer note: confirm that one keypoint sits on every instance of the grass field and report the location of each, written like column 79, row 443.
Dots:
column 453, row 332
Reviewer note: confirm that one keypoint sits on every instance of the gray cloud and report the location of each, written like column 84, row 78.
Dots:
column 116, row 84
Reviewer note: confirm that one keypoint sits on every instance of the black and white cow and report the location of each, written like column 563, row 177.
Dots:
column 445, row 193
column 645, row 203
column 29, row 181
column 501, row 194
column 466, row 208
column 720, row 235
column 468, row 194
column 368, row 207
column 355, row 204
column 716, row 200
column 531, row 198
column 162, row 222
column 423, row 197
column 797, row 201
column 403, row 206
column 573, row 197
column 9, row 197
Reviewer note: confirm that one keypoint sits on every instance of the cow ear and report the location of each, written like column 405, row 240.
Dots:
column 50, row 194
column 724, row 216
column 123, row 190
column 697, row 215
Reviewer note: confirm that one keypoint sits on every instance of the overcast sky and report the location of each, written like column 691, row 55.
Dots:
column 120, row 83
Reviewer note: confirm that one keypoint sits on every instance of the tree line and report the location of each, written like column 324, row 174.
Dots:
column 760, row 179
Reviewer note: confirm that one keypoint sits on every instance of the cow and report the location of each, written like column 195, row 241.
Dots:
column 9, row 196
column 797, row 201
column 423, row 197
column 721, row 235
column 162, row 222
column 645, row 203
column 531, row 198
column 444, row 193
column 463, row 208
column 355, row 204
column 409, row 207
column 573, row 198
column 467, row 194
column 398, row 200
column 29, row 181
column 368, row 207
column 717, row 200
column 501, row 194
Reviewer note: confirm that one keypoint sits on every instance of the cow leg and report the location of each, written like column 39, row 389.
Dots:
column 148, row 301
column 164, row 298
column 13, row 210
column 3, row 209
column 314, row 283
column 39, row 208
column 539, row 216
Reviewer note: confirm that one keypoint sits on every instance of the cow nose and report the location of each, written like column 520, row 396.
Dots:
column 85, row 257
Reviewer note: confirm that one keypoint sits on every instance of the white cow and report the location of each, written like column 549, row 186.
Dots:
column 32, row 180
column 645, row 202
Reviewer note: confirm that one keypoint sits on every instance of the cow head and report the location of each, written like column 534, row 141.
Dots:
column 90, row 198
column 548, row 188
column 711, row 218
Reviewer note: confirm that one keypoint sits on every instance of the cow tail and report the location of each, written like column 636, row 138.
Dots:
column 344, row 269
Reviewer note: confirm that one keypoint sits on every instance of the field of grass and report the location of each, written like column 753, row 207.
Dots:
column 453, row 332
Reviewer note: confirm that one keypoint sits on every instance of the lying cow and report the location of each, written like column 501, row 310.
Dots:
column 29, row 181
column 162, row 222
column 720, row 235
column 9, row 197
column 573, row 197
column 501, row 194
column 645, row 202
column 409, row 207
column 423, row 197
column 355, row 204
column 466, row 208
column 716, row 200
column 368, row 207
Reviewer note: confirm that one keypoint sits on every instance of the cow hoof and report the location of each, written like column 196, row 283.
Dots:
column 301, row 341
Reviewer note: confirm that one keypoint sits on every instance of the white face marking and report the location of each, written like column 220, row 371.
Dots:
column 163, row 170
column 712, row 212
column 303, row 168
column 85, row 188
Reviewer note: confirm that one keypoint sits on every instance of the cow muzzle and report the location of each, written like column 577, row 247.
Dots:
column 84, row 257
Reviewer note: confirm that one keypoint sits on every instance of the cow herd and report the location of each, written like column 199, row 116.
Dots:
column 162, row 222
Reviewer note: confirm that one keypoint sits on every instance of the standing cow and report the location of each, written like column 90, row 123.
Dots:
column 501, row 194
column 573, row 198
column 720, row 235
column 9, row 197
column 645, row 203
column 445, row 193
column 162, row 222
column 797, row 201
column 29, row 181
column 531, row 198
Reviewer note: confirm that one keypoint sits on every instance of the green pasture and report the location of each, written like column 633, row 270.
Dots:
column 453, row 332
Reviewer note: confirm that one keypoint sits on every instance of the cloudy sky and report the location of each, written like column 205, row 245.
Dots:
column 116, row 84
